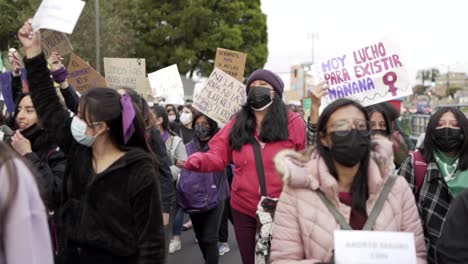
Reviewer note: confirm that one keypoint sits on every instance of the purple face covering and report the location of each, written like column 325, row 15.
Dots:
column 128, row 114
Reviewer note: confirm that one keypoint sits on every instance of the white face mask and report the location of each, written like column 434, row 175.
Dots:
column 172, row 118
column 78, row 129
column 185, row 118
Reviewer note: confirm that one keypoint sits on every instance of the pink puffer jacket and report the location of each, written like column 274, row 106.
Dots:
column 303, row 226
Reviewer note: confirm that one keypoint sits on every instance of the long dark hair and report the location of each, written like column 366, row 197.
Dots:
column 103, row 105
column 428, row 144
column 274, row 125
column 17, row 103
column 7, row 157
column 359, row 187
column 160, row 112
column 379, row 109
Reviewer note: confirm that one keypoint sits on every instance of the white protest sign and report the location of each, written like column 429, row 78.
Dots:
column 126, row 72
column 372, row 74
column 167, row 83
column 373, row 247
column 58, row 15
column 221, row 98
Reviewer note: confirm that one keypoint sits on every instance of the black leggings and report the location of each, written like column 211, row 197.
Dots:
column 206, row 226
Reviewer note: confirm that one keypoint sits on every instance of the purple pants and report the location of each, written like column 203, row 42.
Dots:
column 245, row 228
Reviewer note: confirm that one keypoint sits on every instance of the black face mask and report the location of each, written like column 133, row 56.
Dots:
column 202, row 132
column 350, row 149
column 448, row 139
column 259, row 98
column 381, row 132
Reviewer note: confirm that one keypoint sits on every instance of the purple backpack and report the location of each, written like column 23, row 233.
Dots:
column 200, row 192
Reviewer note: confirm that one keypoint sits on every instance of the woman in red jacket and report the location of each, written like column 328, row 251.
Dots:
column 266, row 119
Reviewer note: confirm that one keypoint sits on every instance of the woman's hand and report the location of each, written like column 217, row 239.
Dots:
column 318, row 91
column 55, row 61
column 21, row 144
column 30, row 40
column 180, row 163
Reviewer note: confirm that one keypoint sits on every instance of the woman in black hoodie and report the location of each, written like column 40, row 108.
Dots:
column 112, row 209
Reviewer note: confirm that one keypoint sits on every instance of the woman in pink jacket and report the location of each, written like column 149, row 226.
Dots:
column 266, row 119
column 350, row 170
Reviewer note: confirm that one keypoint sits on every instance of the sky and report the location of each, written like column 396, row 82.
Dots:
column 431, row 33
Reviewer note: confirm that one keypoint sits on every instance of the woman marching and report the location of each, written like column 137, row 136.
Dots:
column 264, row 126
column 112, row 208
column 338, row 185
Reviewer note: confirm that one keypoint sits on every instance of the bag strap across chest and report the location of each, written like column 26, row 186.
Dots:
column 370, row 223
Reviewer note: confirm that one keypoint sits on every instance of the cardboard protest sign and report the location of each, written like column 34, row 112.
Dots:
column 82, row 76
column 356, row 247
column 221, row 98
column 167, row 83
column 55, row 41
column 231, row 62
column 372, row 74
column 126, row 72
column 58, row 15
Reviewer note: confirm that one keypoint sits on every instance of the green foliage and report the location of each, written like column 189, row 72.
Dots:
column 187, row 32
column 183, row 32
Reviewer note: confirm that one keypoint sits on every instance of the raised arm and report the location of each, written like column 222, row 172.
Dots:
column 53, row 116
column 60, row 75
column 317, row 92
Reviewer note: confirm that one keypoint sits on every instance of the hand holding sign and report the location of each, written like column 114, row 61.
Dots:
column 55, row 61
column 318, row 91
column 30, row 40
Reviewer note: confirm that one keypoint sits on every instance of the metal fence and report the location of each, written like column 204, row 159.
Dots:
column 414, row 124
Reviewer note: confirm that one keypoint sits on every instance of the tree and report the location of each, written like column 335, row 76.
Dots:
column 187, row 32
column 13, row 13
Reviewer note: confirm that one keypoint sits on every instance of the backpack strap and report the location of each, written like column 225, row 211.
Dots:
column 332, row 209
column 259, row 165
column 369, row 225
column 420, row 168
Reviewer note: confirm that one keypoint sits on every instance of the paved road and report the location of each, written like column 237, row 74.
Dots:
column 191, row 254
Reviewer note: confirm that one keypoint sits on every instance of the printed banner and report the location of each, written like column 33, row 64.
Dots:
column 82, row 76
column 58, row 15
column 369, row 75
column 221, row 98
column 231, row 62
column 166, row 83
column 125, row 72
column 55, row 41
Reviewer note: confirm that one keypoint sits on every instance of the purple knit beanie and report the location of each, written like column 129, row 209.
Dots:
column 269, row 77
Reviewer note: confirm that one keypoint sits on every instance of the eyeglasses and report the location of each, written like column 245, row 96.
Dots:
column 344, row 127
column 448, row 123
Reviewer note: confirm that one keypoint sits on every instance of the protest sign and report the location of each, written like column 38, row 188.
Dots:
column 126, row 72
column 82, row 76
column 231, row 62
column 221, row 98
column 356, row 247
column 372, row 74
column 55, row 41
column 58, row 15
column 167, row 83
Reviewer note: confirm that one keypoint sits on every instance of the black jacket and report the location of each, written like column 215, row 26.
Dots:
column 110, row 217
column 49, row 161
column 452, row 246
column 167, row 185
